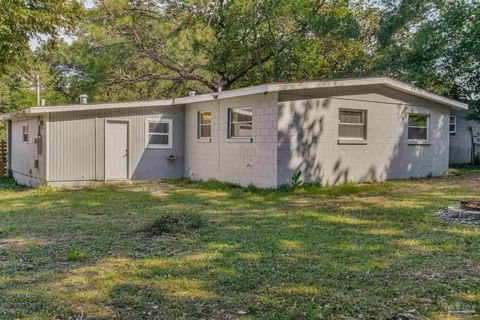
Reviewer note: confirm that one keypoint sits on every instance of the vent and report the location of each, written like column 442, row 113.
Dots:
column 83, row 99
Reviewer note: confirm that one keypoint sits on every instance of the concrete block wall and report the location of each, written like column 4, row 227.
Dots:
column 240, row 161
column 309, row 141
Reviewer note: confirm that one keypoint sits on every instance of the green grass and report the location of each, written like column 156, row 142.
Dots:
column 209, row 250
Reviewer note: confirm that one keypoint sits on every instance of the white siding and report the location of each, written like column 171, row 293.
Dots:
column 24, row 154
column 77, row 144
column 461, row 141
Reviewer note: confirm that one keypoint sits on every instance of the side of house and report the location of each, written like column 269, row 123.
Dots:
column 98, row 145
column 360, row 133
column 233, row 140
column 27, row 150
column 332, row 131
column 461, row 131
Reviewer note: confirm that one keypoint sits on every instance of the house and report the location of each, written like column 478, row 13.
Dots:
column 464, row 138
column 332, row 131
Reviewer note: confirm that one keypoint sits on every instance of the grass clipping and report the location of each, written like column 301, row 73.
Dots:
column 178, row 223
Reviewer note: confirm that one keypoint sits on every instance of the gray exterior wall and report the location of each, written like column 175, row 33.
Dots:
column 461, row 141
column 23, row 155
column 76, row 145
column 241, row 161
column 308, row 136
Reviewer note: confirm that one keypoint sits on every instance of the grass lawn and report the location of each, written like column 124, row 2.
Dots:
column 372, row 251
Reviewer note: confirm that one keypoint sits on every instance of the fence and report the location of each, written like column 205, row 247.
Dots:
column 3, row 158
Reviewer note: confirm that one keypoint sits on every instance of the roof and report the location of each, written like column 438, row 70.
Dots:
column 264, row 88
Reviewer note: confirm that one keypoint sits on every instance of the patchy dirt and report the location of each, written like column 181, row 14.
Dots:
column 456, row 218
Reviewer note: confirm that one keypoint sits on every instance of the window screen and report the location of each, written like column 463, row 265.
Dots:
column 352, row 124
column 240, row 122
column 418, row 126
column 159, row 134
column 25, row 134
column 453, row 124
column 204, row 124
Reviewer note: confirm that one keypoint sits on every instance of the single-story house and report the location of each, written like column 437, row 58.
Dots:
column 332, row 131
column 464, row 137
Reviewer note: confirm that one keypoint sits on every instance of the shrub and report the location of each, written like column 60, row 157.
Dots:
column 77, row 255
column 297, row 179
column 176, row 224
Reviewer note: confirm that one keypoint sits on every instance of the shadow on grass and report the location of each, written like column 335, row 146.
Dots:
column 370, row 251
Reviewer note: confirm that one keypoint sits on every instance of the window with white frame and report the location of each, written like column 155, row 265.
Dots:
column 240, row 122
column 352, row 124
column 418, row 126
column 158, row 133
column 204, row 124
column 453, row 124
column 25, row 134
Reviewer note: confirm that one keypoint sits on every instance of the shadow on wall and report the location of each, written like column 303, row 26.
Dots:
column 308, row 142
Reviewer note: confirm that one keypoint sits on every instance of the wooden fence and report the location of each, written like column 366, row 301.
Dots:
column 3, row 158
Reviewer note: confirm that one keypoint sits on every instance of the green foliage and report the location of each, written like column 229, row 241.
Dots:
column 21, row 20
column 297, row 179
column 181, row 223
column 433, row 44
column 137, row 50
column 378, row 239
column 77, row 255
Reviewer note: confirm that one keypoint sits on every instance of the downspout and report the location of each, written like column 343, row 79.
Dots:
column 9, row 148
column 472, row 140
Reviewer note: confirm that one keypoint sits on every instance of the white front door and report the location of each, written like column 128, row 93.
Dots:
column 116, row 150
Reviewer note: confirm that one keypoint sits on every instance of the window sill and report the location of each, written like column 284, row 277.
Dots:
column 352, row 141
column 204, row 140
column 240, row 140
column 154, row 147
column 418, row 143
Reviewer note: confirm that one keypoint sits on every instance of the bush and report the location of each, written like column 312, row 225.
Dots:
column 297, row 179
column 77, row 255
column 176, row 224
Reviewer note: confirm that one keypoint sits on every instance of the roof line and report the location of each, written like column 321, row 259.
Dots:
column 264, row 88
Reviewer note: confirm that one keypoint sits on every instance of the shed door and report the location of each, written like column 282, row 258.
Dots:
column 116, row 150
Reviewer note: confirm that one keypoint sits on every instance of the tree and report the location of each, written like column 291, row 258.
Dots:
column 22, row 20
column 166, row 48
column 433, row 44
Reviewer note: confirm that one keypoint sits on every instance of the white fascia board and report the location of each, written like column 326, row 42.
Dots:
column 400, row 86
column 323, row 84
column 223, row 95
column 265, row 88
column 389, row 82
column 102, row 106
column 12, row 115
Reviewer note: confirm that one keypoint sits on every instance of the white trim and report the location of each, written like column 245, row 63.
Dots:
column 230, row 122
column 454, row 123
column 28, row 133
column 199, row 125
column 364, row 124
column 106, row 120
column 264, row 88
column 419, row 141
column 47, row 149
column 169, row 134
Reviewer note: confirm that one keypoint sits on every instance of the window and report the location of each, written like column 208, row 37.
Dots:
column 25, row 134
column 453, row 124
column 204, row 124
column 352, row 124
column 418, row 126
column 240, row 122
column 158, row 134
